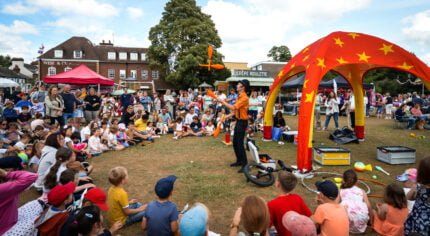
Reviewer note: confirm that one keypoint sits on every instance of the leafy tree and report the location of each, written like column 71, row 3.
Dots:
column 179, row 44
column 386, row 80
column 281, row 53
column 5, row 61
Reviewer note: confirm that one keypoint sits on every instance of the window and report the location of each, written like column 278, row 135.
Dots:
column 260, row 67
column 133, row 74
column 133, row 56
column 67, row 69
column 144, row 74
column 122, row 74
column 58, row 53
column 77, row 54
column 111, row 55
column 143, row 56
column 123, row 56
column 155, row 74
column 111, row 73
column 52, row 71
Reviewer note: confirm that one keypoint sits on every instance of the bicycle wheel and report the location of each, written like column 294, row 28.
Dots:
column 259, row 175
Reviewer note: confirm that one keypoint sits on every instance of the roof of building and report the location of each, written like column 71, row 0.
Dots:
column 32, row 68
column 269, row 63
column 6, row 73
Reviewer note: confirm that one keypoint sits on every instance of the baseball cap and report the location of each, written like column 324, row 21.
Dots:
column 13, row 162
column 409, row 174
column 98, row 197
column 164, row 186
column 194, row 222
column 60, row 193
column 328, row 188
column 298, row 225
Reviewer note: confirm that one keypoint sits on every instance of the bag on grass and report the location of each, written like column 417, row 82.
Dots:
column 276, row 134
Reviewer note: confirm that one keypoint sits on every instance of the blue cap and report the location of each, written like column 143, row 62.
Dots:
column 328, row 188
column 13, row 162
column 194, row 222
column 164, row 186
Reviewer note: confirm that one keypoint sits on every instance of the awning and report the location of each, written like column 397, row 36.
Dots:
column 253, row 81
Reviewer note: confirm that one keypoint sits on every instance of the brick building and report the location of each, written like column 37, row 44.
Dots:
column 125, row 65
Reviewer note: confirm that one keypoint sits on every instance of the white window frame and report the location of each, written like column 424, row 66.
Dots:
column 111, row 73
column 122, row 74
column 145, row 74
column 111, row 55
column 143, row 56
column 77, row 54
column 133, row 74
column 67, row 69
column 58, row 53
column 123, row 56
column 155, row 74
column 133, row 56
column 52, row 70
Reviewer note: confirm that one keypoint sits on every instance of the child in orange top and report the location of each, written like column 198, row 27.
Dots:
column 330, row 216
column 391, row 215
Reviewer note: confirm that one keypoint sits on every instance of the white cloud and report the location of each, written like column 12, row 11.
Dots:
column 418, row 29
column 134, row 12
column 89, row 8
column 18, row 9
column 18, row 27
column 250, row 29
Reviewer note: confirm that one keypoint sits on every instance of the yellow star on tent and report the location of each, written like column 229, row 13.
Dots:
column 387, row 48
column 281, row 73
column 293, row 65
column 305, row 58
column 305, row 83
column 309, row 97
column 363, row 57
column 321, row 62
column 341, row 61
column 353, row 35
column 405, row 66
column 305, row 50
column 339, row 42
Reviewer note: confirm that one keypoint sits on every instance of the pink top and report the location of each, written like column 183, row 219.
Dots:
column 393, row 223
column 17, row 181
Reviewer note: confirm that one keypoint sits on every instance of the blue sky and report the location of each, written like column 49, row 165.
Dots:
column 248, row 28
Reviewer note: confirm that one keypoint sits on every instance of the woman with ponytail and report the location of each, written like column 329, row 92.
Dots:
column 63, row 157
column 89, row 222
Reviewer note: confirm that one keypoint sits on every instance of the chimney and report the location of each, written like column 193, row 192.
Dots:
column 103, row 43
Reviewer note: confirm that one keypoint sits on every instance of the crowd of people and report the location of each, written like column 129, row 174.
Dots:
column 48, row 136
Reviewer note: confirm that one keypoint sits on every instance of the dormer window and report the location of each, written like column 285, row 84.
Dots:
column 133, row 56
column 77, row 54
column 58, row 53
column 123, row 56
column 143, row 56
column 111, row 56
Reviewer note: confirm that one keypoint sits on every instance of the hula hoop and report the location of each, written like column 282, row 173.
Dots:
column 327, row 173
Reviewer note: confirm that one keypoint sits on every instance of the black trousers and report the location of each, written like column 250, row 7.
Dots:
column 238, row 139
column 59, row 119
column 352, row 116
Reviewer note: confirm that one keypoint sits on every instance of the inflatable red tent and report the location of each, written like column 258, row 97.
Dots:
column 81, row 75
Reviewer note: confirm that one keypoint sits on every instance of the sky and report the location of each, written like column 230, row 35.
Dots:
column 248, row 28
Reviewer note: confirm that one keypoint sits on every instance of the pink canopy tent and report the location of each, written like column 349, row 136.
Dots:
column 81, row 75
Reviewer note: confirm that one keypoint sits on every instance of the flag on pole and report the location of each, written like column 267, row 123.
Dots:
column 334, row 86
column 41, row 48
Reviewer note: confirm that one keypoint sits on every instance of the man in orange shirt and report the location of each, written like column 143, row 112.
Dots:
column 240, row 110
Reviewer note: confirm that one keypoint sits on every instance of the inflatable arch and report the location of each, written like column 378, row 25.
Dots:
column 349, row 54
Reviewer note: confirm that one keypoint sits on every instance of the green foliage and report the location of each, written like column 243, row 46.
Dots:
column 179, row 44
column 5, row 61
column 281, row 53
column 386, row 80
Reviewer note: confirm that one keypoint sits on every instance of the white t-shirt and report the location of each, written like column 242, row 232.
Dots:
column 84, row 132
column 189, row 118
column 178, row 127
column 20, row 145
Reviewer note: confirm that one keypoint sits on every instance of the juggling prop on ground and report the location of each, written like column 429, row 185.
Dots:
column 349, row 54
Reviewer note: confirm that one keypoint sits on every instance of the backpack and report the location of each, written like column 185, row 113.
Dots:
column 52, row 226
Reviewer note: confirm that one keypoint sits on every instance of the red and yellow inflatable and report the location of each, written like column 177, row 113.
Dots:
column 349, row 54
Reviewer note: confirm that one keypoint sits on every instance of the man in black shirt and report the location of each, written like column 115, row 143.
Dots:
column 70, row 103
column 128, row 116
column 126, row 100
column 92, row 107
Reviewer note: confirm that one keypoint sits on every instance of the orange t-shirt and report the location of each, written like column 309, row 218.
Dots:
column 241, row 107
column 332, row 218
column 393, row 223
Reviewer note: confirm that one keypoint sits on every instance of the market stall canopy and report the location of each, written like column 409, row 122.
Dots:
column 205, row 85
column 7, row 83
column 79, row 75
column 341, row 83
column 294, row 83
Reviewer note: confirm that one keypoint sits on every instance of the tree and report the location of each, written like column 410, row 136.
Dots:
column 179, row 44
column 281, row 53
column 5, row 61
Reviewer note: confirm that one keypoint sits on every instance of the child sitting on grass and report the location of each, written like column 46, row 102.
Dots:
column 330, row 216
column 392, row 214
column 209, row 128
column 286, row 201
column 120, row 207
column 161, row 217
column 178, row 127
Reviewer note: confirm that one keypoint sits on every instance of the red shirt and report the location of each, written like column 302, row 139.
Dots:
column 281, row 205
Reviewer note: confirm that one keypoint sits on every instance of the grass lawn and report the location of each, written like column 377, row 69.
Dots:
column 204, row 175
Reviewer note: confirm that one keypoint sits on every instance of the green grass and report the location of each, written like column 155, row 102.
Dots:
column 201, row 165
